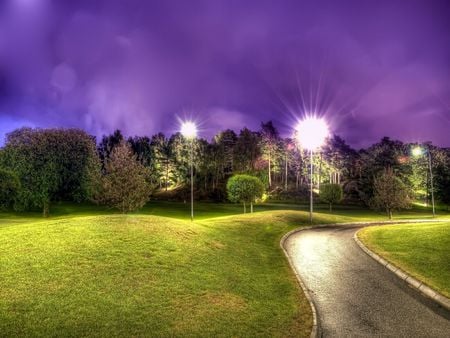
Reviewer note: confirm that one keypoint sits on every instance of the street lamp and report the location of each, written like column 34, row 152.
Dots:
column 310, row 134
column 189, row 131
column 419, row 151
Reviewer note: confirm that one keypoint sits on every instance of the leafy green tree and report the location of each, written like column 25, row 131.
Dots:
column 377, row 158
column 246, row 151
column 180, row 150
column 9, row 188
column 339, row 158
column 203, row 166
column 331, row 194
column 298, row 165
column 390, row 193
column 125, row 185
column 245, row 189
column 162, row 161
column 51, row 164
column 225, row 143
column 107, row 145
column 141, row 147
column 270, row 147
column 442, row 177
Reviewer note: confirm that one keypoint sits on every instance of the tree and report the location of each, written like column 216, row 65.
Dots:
column 382, row 155
column 51, row 164
column 141, row 147
column 107, row 145
column 125, row 184
column 246, row 151
column 270, row 146
column 331, row 194
column 226, row 142
column 245, row 189
column 390, row 193
column 162, row 163
column 340, row 158
column 9, row 188
column 442, row 178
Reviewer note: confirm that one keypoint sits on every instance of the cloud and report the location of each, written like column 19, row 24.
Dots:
column 137, row 65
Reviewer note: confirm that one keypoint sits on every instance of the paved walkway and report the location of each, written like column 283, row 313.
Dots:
column 354, row 295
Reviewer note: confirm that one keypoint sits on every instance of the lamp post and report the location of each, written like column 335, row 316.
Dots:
column 419, row 151
column 189, row 131
column 311, row 133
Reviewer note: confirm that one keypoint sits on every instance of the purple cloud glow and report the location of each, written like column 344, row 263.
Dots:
column 373, row 68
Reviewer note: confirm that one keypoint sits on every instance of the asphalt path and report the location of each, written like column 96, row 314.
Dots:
column 355, row 296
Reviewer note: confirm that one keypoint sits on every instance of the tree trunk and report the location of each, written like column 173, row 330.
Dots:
column 270, row 172
column 46, row 209
column 390, row 214
column 251, row 207
column 320, row 173
column 331, row 207
column 245, row 208
column 167, row 174
column 286, row 174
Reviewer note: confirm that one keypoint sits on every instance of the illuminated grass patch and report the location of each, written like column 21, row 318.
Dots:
column 423, row 250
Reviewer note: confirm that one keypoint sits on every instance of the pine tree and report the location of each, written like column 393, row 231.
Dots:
column 124, row 185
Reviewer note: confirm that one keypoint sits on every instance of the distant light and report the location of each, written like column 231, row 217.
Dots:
column 417, row 151
column 312, row 132
column 189, row 129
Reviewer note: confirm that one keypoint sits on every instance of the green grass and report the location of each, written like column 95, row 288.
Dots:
column 88, row 272
column 422, row 250
column 207, row 210
column 140, row 275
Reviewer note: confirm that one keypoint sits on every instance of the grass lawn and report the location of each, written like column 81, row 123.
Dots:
column 88, row 272
column 423, row 250
column 207, row 210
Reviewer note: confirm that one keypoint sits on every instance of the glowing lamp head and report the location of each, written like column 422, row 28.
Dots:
column 417, row 151
column 311, row 133
column 189, row 129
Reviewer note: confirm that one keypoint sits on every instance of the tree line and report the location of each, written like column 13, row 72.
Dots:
column 41, row 166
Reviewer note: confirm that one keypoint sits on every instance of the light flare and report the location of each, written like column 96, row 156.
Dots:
column 189, row 129
column 417, row 151
column 312, row 132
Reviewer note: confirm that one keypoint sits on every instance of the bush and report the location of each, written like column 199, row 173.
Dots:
column 217, row 195
column 296, row 195
column 9, row 188
column 331, row 194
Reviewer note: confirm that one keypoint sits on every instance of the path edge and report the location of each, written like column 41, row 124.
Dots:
column 434, row 295
column 315, row 327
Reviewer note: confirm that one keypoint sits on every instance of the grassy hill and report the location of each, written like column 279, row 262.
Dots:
column 149, row 275
column 86, row 272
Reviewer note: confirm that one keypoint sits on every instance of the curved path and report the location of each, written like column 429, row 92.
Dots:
column 355, row 296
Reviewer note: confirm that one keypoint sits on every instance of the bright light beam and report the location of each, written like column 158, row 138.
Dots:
column 417, row 151
column 189, row 129
column 312, row 132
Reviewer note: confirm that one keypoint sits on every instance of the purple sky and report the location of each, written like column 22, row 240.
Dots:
column 372, row 68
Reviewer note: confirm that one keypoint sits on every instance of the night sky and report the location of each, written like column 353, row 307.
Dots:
column 372, row 68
